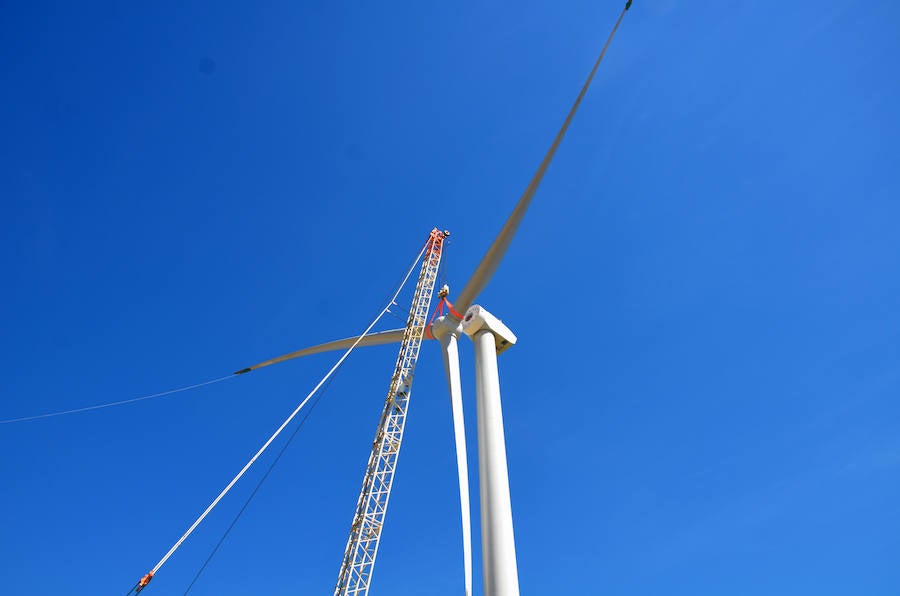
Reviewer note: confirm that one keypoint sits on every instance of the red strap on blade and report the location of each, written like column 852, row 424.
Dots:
column 453, row 310
column 438, row 309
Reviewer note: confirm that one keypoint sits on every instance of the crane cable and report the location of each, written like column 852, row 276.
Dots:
column 145, row 580
column 154, row 395
column 259, row 484
column 116, row 403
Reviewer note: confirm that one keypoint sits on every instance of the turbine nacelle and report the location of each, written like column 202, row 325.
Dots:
column 478, row 319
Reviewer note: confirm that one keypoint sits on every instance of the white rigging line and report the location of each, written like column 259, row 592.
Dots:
column 286, row 422
column 116, row 403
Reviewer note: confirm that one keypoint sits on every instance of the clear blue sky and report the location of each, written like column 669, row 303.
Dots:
column 704, row 397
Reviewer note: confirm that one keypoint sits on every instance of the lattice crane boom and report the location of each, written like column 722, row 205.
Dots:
column 365, row 532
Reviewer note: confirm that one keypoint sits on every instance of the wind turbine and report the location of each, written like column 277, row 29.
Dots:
column 490, row 337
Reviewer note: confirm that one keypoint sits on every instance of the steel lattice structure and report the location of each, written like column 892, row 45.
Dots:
column 365, row 532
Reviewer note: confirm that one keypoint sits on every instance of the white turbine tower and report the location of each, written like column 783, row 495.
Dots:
column 490, row 338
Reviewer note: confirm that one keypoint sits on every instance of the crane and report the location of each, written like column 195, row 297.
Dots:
column 371, row 507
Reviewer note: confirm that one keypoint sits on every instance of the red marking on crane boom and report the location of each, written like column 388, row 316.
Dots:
column 143, row 583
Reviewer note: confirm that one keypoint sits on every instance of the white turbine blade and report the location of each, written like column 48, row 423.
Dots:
column 491, row 260
column 374, row 339
column 494, row 255
column 451, row 366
